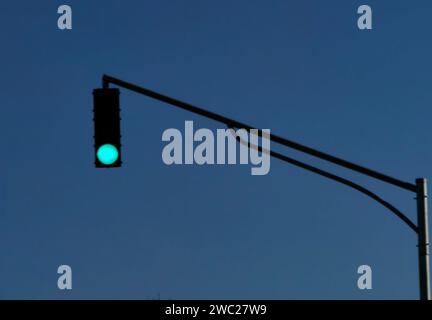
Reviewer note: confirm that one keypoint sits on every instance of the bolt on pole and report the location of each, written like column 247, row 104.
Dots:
column 423, row 239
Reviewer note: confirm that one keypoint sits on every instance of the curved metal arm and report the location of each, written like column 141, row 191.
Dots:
column 106, row 80
column 334, row 177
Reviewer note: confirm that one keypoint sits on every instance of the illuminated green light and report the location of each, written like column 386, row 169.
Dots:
column 107, row 154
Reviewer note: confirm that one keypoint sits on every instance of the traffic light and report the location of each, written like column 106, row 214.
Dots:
column 106, row 118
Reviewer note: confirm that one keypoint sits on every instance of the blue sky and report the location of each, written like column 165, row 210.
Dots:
column 300, row 68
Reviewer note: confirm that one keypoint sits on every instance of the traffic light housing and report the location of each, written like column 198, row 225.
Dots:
column 106, row 119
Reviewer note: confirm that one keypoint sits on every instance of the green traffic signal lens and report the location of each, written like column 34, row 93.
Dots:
column 107, row 154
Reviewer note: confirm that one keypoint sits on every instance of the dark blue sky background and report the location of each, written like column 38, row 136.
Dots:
column 300, row 68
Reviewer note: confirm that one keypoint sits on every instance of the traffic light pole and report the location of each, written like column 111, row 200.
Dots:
column 420, row 187
column 423, row 239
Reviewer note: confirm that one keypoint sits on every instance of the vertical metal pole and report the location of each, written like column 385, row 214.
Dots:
column 423, row 239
